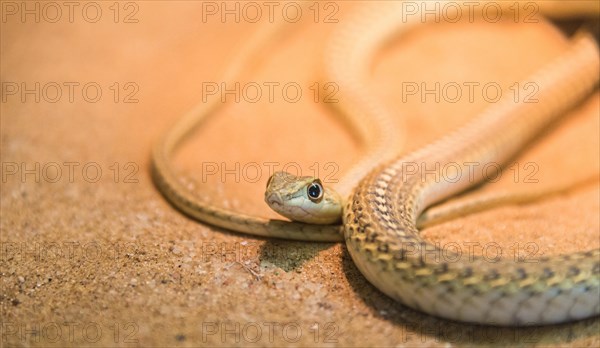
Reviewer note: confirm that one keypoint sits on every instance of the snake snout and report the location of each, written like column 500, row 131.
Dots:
column 273, row 199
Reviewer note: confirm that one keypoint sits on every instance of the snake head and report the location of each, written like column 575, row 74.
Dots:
column 303, row 199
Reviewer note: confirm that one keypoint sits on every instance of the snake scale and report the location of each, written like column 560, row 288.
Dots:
column 385, row 200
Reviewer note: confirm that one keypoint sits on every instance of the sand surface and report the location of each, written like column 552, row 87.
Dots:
column 93, row 255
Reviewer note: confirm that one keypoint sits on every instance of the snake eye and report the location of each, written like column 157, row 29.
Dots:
column 315, row 191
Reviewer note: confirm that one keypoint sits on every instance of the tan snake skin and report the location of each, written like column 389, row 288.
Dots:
column 380, row 220
column 382, row 237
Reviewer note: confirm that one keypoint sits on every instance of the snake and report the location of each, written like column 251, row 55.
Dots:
column 378, row 207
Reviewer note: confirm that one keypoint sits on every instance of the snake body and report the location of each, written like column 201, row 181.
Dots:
column 381, row 213
column 381, row 234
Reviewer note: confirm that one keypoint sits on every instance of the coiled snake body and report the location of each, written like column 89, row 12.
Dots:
column 380, row 216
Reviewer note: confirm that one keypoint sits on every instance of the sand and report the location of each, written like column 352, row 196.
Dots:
column 93, row 255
